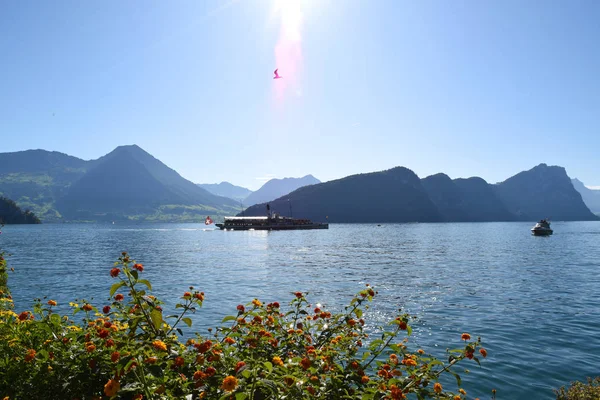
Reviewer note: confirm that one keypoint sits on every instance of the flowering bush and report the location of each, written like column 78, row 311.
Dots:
column 128, row 349
column 580, row 390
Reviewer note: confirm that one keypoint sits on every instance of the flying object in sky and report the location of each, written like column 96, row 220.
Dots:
column 277, row 75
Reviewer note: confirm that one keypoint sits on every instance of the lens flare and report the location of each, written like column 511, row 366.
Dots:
column 288, row 50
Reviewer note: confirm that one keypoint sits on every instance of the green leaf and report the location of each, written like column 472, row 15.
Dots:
column 116, row 287
column 246, row 374
column 134, row 273
column 187, row 321
column 156, row 317
column 55, row 319
column 145, row 282
column 228, row 318
column 240, row 396
column 268, row 366
column 358, row 312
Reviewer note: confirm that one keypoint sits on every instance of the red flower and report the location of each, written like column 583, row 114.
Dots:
column 483, row 352
column 305, row 363
column 298, row 294
column 114, row 357
column 199, row 296
column 179, row 361
column 103, row 333
column 24, row 315
column 114, row 272
column 239, row 365
column 240, row 308
column 87, row 307
column 110, row 343
column 210, row 371
column 276, row 305
column 119, row 297
column 106, row 309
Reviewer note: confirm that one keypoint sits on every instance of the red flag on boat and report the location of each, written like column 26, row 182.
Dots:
column 208, row 221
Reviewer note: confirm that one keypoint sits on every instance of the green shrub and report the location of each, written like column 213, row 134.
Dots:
column 580, row 390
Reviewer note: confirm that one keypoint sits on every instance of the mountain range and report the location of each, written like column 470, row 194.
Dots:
column 398, row 195
column 128, row 183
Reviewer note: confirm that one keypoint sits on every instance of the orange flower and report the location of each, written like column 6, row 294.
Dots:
column 51, row 302
column 199, row 375
column 229, row 340
column 462, row 391
column 457, row 397
column 256, row 302
column 159, row 345
column 187, row 295
column 229, row 383
column 420, row 351
column 437, row 388
column 351, row 322
column 114, row 357
column 277, row 361
column 30, row 355
column 410, row 362
column 138, row 397
column 139, row 267
column 90, row 348
column 114, row 272
column 210, row 371
column 151, row 360
column 112, row 387
column 364, row 379
column 87, row 307
column 483, row 352
column 199, row 296
column 465, row 337
column 119, row 297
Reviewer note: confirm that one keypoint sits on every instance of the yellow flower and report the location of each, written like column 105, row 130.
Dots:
column 112, row 387
column 462, row 391
column 159, row 345
column 229, row 383
column 256, row 302
column 277, row 361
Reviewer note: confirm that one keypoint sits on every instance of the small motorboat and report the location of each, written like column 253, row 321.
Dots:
column 542, row 228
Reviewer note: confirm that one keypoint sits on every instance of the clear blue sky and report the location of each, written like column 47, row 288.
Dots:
column 469, row 88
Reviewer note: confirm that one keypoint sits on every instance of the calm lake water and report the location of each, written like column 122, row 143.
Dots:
column 535, row 301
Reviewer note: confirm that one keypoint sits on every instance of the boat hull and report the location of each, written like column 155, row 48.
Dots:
column 541, row 232
column 272, row 227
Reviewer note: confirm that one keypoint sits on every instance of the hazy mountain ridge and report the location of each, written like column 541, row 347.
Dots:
column 276, row 188
column 591, row 197
column 226, row 189
column 398, row 195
